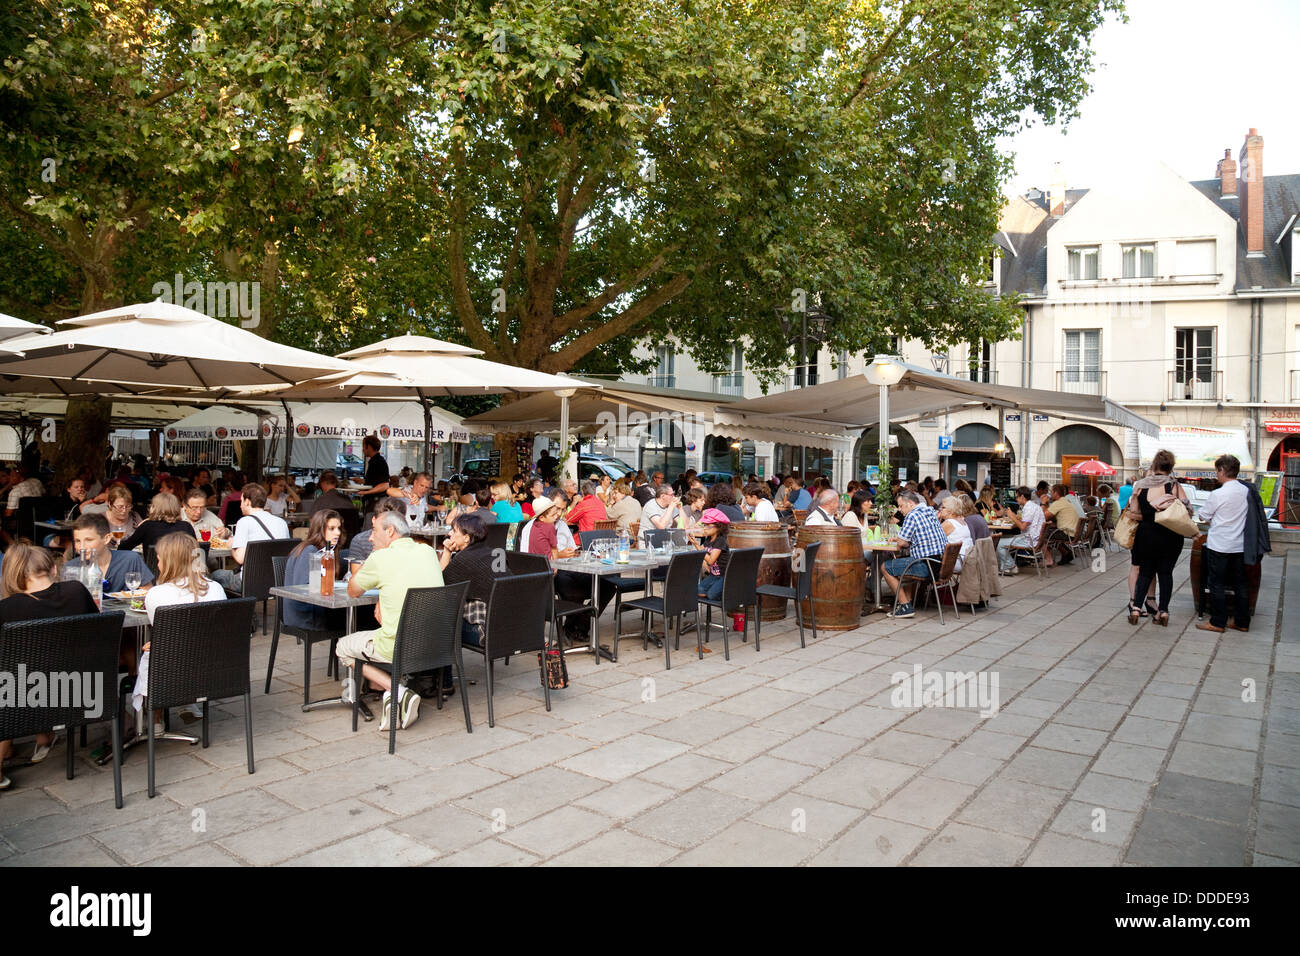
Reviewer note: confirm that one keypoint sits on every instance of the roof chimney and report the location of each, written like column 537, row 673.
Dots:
column 1057, row 203
column 1251, row 192
column 1226, row 170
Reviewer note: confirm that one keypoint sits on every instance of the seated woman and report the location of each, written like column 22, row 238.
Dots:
column 279, row 496
column 503, row 503
column 324, row 532
column 182, row 575
column 28, row 591
column 859, row 513
column 467, row 557
column 987, row 504
column 165, row 517
column 955, row 527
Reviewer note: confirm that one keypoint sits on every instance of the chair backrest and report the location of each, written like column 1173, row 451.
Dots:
column 512, row 536
column 610, row 524
column 658, row 537
column 151, row 559
column 803, row 581
column 740, row 579
column 681, row 585
column 428, row 632
column 258, row 574
column 598, row 534
column 633, row 529
column 278, row 563
column 227, row 516
column 30, row 510
column 948, row 568
column 497, row 532
column 200, row 650
column 521, row 562
column 800, row 515
column 517, row 614
column 84, row 647
column 353, row 521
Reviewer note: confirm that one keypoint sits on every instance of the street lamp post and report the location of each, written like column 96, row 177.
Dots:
column 884, row 371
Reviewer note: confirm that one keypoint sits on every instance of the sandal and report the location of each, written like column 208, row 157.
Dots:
column 1163, row 618
column 1134, row 613
column 1149, row 609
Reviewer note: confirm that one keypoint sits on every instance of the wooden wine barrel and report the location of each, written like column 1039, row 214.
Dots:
column 839, row 575
column 772, row 537
column 1199, row 578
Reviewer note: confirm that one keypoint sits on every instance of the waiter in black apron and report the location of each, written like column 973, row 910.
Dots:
column 376, row 476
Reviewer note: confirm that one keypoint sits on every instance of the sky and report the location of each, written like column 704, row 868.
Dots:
column 1175, row 84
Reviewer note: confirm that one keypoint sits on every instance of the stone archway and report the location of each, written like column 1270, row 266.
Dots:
column 905, row 456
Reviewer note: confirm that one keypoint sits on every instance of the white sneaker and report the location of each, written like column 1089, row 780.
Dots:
column 388, row 710
column 409, row 709
column 43, row 750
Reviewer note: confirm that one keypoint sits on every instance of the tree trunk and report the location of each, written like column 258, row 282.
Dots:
column 246, row 458
column 516, row 452
column 82, row 439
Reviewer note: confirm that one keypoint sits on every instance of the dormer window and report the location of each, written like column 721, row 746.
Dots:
column 1083, row 262
column 1140, row 261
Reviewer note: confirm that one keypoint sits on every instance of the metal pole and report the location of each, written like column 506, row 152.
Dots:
column 288, row 435
column 884, row 425
column 564, row 438
column 428, row 427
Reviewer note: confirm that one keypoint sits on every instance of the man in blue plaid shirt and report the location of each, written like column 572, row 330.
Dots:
column 923, row 536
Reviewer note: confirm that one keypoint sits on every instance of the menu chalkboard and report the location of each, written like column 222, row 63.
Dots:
column 1000, row 472
column 495, row 468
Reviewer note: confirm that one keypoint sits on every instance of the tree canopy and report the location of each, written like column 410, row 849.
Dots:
column 549, row 182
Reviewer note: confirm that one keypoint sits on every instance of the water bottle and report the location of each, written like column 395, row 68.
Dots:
column 624, row 547
column 91, row 578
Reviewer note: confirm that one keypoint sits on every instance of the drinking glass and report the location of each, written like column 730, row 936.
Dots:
column 206, row 534
column 132, row 580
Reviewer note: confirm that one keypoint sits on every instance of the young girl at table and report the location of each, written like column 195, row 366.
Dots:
column 714, row 525
column 28, row 591
column 182, row 575
column 324, row 532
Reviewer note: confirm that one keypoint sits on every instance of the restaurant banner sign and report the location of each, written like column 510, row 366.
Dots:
column 1195, row 448
column 211, row 432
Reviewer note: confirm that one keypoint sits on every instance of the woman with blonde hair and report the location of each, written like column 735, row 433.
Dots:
column 182, row 575
column 987, row 503
column 165, row 517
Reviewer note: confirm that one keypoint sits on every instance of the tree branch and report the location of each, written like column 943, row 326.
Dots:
column 575, row 316
column 624, row 322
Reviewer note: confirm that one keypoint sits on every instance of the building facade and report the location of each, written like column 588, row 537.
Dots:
column 1177, row 299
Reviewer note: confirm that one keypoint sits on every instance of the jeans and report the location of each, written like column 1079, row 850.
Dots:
column 232, row 582
column 1227, row 571
column 711, row 587
column 1005, row 559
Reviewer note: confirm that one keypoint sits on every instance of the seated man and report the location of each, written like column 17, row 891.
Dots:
column 396, row 564
column 257, row 524
column 1029, row 522
column 1065, row 514
column 826, row 509
column 923, row 536
column 330, row 497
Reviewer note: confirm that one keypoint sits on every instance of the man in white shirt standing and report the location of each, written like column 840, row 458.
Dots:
column 257, row 524
column 1226, row 511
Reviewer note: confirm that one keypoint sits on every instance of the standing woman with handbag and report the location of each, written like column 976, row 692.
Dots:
column 1155, row 547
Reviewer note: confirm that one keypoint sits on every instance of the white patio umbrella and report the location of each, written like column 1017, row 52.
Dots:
column 161, row 346
column 424, row 368
column 12, row 328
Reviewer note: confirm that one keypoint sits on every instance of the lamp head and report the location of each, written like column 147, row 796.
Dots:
column 884, row 370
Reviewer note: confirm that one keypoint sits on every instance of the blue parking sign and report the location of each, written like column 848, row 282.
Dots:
column 945, row 443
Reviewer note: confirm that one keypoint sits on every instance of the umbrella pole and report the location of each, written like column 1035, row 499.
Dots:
column 288, row 435
column 428, row 427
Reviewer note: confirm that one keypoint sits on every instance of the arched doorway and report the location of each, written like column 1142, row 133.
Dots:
column 905, row 459
column 973, row 447
column 1084, row 440
column 1290, row 445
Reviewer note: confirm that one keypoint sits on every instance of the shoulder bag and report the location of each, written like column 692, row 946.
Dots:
column 1173, row 514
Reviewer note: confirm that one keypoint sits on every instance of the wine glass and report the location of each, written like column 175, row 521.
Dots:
column 132, row 581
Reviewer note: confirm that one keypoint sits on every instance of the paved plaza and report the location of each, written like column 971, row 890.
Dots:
column 1113, row 745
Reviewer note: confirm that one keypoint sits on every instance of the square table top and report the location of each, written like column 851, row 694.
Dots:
column 311, row 595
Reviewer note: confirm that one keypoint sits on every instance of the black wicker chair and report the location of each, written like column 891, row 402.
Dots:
column 520, row 562
column 516, row 623
column 259, row 575
column 802, row 591
column 679, row 599
column 497, row 533
column 428, row 637
column 739, row 593
column 307, row 637
column 199, row 653
column 85, row 644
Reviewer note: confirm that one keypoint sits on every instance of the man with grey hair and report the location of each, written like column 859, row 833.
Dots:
column 396, row 564
column 661, row 511
column 923, row 536
column 824, row 511
column 587, row 508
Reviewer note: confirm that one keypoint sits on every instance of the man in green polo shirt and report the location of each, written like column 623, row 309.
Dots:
column 396, row 564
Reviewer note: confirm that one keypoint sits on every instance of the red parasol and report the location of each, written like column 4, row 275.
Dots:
column 1092, row 467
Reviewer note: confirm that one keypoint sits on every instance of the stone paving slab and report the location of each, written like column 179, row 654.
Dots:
column 1111, row 745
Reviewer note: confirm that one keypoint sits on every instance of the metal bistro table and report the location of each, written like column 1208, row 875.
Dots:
column 643, row 559
column 55, row 526
column 139, row 622
column 875, row 550
column 308, row 594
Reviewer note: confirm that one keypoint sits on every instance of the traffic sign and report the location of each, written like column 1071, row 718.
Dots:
column 945, row 444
